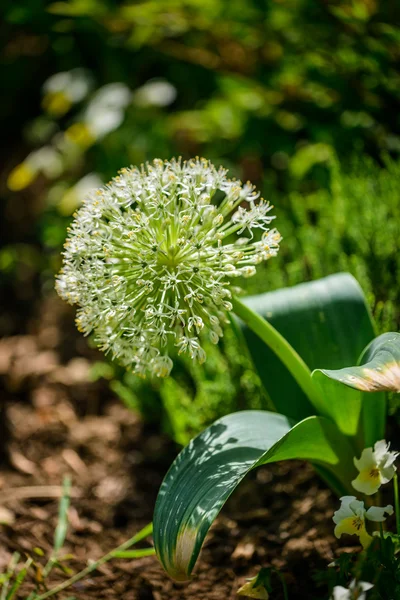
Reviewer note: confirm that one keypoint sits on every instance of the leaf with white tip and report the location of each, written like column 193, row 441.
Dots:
column 347, row 392
column 209, row 469
column 380, row 371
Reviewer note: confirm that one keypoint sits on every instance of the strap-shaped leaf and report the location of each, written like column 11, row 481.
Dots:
column 380, row 368
column 379, row 372
column 326, row 321
column 208, row 470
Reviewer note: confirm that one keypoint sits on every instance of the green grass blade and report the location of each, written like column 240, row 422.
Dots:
column 62, row 525
column 8, row 574
column 19, row 579
column 141, row 535
column 135, row 553
column 208, row 470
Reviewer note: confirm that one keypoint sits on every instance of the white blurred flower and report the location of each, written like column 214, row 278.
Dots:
column 350, row 518
column 156, row 92
column 106, row 109
column 104, row 113
column 45, row 160
column 74, row 196
column 356, row 591
column 148, row 260
column 376, row 467
column 62, row 90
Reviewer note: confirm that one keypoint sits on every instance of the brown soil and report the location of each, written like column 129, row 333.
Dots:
column 61, row 423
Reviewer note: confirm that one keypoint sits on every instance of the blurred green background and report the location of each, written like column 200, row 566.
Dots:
column 301, row 97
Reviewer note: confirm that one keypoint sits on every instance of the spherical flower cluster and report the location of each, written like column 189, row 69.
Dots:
column 150, row 257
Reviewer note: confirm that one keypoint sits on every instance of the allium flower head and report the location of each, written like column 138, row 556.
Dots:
column 150, row 257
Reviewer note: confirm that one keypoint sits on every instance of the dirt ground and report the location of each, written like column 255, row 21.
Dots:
column 61, row 423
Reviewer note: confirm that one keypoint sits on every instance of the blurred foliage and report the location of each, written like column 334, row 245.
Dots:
column 274, row 90
column 352, row 224
column 250, row 82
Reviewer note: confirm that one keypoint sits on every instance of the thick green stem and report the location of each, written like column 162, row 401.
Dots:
column 96, row 564
column 283, row 350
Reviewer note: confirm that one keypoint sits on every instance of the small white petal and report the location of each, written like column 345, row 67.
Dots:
column 380, row 449
column 377, row 513
column 341, row 593
column 366, row 460
column 345, row 510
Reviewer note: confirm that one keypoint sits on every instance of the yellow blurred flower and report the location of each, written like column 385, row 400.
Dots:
column 21, row 176
column 80, row 134
column 63, row 90
column 46, row 160
column 56, row 103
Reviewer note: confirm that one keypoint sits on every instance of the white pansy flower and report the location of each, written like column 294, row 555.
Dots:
column 376, row 466
column 149, row 259
column 356, row 591
column 351, row 516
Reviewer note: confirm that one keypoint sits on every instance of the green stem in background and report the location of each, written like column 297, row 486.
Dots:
column 396, row 502
column 381, row 541
column 96, row 564
column 9, row 573
column 283, row 582
column 283, row 350
column 62, row 526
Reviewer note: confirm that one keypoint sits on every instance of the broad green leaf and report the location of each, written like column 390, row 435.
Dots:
column 208, row 470
column 379, row 372
column 342, row 404
column 326, row 321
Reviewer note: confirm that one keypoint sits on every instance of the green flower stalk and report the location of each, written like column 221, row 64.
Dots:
column 150, row 259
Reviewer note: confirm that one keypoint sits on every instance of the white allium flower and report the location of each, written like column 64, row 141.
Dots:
column 150, row 256
column 356, row 591
column 376, row 467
